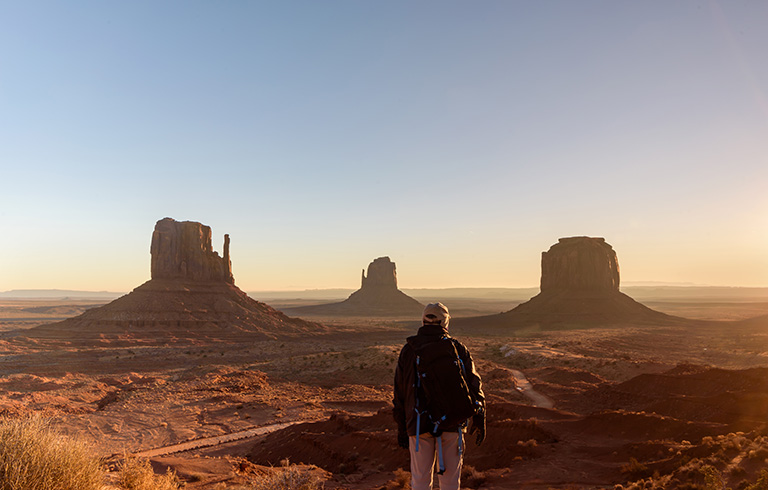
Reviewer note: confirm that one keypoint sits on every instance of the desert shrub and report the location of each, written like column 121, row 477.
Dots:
column 761, row 483
column 402, row 481
column 471, row 477
column 137, row 474
column 287, row 478
column 713, row 479
column 33, row 456
column 634, row 469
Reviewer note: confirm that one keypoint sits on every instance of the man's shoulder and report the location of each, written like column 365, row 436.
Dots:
column 406, row 350
column 460, row 347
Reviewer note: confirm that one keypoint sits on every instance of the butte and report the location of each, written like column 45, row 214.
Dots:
column 579, row 288
column 191, row 295
column 378, row 296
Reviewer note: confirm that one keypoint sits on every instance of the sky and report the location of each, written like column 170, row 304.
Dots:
column 461, row 139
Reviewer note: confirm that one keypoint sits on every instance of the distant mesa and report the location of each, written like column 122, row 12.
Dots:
column 579, row 287
column 378, row 296
column 191, row 294
column 579, row 264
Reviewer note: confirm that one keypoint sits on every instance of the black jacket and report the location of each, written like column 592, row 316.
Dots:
column 404, row 399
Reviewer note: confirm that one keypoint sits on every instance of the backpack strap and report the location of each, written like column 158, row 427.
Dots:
column 464, row 373
column 416, row 408
column 440, row 460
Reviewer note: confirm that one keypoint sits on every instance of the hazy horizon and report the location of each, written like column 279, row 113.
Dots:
column 642, row 285
column 461, row 140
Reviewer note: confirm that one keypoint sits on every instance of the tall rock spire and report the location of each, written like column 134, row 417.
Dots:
column 378, row 296
column 381, row 274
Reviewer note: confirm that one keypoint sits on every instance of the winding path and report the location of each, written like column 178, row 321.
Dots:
column 524, row 386
column 214, row 441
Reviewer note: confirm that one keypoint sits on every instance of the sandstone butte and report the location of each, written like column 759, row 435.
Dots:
column 191, row 295
column 579, row 288
column 378, row 296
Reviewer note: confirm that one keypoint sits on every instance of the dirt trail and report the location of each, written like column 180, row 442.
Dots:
column 215, row 441
column 524, row 386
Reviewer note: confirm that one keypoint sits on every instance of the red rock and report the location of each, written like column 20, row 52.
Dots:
column 181, row 250
column 378, row 296
column 191, row 296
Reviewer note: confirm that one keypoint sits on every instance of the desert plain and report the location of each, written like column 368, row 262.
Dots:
column 567, row 407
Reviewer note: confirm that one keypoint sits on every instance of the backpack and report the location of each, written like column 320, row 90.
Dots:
column 442, row 394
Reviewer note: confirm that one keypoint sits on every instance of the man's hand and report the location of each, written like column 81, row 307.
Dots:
column 402, row 439
column 478, row 425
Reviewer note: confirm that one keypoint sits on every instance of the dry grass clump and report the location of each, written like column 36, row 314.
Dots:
column 137, row 474
column 472, row 477
column 35, row 457
column 289, row 477
column 402, row 481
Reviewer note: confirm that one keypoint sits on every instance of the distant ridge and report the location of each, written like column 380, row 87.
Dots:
column 659, row 291
column 58, row 294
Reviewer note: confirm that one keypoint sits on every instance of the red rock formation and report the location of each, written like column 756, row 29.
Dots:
column 191, row 296
column 579, row 263
column 579, row 288
column 381, row 274
column 181, row 250
column 378, row 296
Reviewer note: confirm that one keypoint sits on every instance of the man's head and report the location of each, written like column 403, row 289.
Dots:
column 436, row 314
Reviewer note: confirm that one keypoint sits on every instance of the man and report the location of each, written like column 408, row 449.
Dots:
column 416, row 429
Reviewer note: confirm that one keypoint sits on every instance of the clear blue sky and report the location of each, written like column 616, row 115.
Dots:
column 461, row 139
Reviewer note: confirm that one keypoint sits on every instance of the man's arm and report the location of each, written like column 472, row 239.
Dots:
column 398, row 399
column 471, row 375
column 475, row 385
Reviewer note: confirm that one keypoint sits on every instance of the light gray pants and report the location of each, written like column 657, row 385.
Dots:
column 424, row 461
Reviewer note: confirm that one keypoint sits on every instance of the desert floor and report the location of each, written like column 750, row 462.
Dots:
column 138, row 396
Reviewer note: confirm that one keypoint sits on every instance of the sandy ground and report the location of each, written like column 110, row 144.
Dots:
column 132, row 398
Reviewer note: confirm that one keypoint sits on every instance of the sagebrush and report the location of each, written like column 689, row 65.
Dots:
column 33, row 456
column 137, row 474
column 289, row 477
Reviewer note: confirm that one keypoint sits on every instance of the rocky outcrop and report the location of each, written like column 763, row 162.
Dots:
column 381, row 274
column 378, row 296
column 190, row 297
column 181, row 250
column 579, row 263
column 579, row 288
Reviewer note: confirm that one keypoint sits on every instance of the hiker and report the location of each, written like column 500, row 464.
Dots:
column 432, row 417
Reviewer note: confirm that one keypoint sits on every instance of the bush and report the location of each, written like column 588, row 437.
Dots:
column 471, row 477
column 137, row 474
column 761, row 483
column 634, row 469
column 35, row 457
column 402, row 481
column 287, row 478
column 713, row 479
